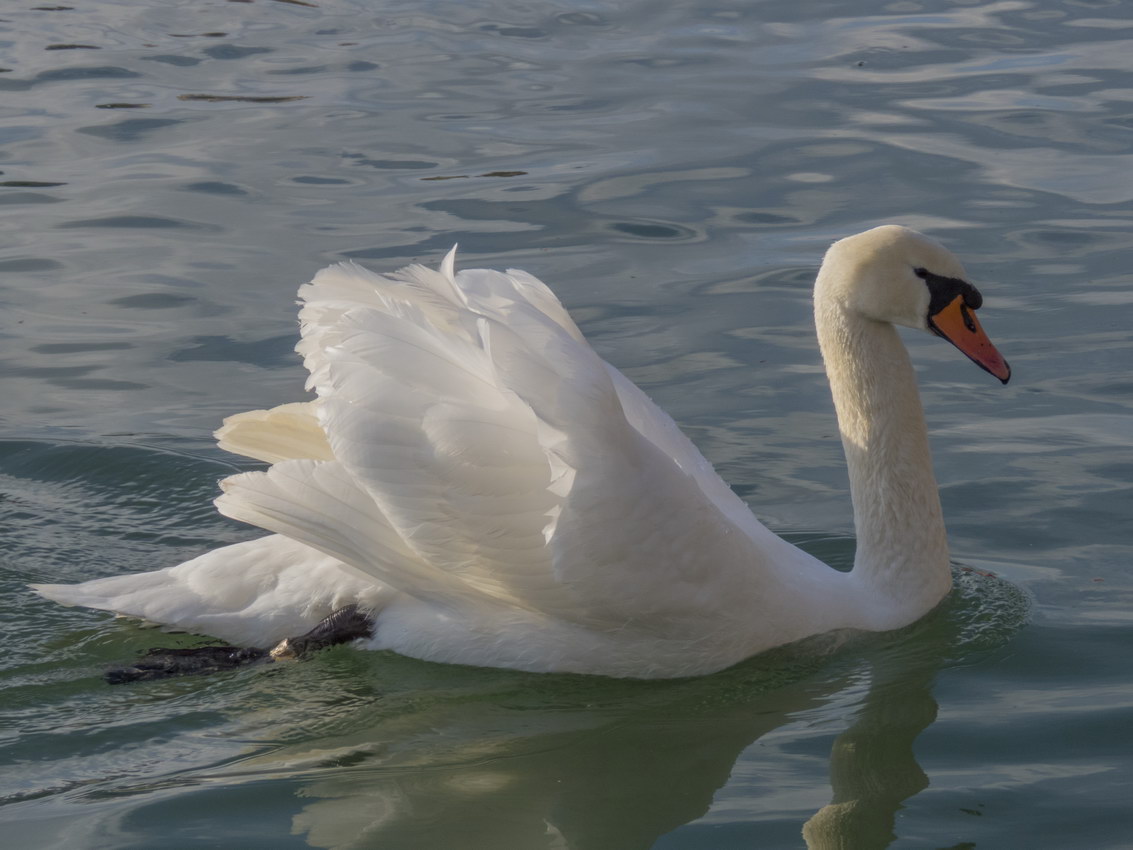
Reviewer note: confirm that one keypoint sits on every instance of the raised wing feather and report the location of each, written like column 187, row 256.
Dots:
column 485, row 447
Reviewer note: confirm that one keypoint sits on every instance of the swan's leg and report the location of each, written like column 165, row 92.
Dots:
column 344, row 625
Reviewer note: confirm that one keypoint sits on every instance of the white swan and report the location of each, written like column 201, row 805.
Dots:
column 475, row 475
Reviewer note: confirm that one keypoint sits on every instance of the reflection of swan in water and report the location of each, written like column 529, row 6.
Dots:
column 475, row 475
column 357, row 747
column 498, row 761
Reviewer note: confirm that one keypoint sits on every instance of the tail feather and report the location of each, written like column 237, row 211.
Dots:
column 253, row 593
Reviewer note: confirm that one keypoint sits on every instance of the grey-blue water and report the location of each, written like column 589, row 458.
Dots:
column 172, row 171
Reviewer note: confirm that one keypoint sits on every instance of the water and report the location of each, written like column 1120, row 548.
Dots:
column 173, row 171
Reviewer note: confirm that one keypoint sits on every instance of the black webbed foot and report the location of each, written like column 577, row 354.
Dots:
column 344, row 625
column 161, row 663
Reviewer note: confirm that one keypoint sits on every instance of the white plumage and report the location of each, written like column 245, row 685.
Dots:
column 475, row 474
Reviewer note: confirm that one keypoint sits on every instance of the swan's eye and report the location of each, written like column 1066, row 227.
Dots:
column 922, row 273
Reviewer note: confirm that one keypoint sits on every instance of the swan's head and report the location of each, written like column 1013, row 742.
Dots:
column 897, row 275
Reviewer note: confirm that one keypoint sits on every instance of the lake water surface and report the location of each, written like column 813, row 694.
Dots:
column 173, row 171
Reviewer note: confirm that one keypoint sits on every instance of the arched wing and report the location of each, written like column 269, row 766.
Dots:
column 482, row 452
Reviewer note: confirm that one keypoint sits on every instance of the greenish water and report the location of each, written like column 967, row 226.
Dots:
column 173, row 172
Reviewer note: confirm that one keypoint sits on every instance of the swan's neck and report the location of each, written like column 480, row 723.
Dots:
column 901, row 563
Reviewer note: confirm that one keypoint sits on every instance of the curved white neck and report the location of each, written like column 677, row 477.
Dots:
column 901, row 564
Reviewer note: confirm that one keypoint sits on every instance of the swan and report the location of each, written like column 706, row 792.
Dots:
column 490, row 492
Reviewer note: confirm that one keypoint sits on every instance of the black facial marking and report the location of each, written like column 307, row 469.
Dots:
column 944, row 291
column 969, row 323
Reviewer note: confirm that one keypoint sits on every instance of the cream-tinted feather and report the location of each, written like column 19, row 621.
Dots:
column 286, row 432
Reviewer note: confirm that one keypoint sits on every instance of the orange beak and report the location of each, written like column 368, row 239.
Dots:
column 957, row 323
